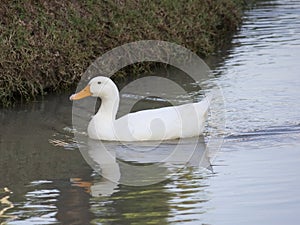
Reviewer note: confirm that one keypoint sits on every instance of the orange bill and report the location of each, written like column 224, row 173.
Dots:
column 82, row 94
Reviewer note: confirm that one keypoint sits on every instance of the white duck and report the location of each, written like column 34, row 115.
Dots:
column 154, row 124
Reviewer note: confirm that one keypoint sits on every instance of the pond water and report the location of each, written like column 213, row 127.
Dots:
column 255, row 176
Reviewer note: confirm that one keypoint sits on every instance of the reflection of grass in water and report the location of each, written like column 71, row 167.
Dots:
column 64, row 139
column 162, row 203
column 5, row 205
column 46, row 45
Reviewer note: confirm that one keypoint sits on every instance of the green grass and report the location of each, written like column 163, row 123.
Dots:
column 47, row 45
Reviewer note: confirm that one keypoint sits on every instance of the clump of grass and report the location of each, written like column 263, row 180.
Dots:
column 47, row 45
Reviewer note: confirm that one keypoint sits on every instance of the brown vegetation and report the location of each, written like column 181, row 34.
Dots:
column 47, row 45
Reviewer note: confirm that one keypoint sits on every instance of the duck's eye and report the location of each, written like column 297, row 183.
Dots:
column 99, row 82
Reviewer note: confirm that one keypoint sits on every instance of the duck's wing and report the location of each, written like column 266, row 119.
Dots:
column 163, row 123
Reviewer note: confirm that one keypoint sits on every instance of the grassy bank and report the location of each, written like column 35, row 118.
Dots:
column 46, row 45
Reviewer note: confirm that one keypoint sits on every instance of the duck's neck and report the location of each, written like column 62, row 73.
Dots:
column 109, row 106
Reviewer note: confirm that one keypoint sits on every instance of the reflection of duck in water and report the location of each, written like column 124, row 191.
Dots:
column 140, row 163
column 103, row 187
column 155, row 124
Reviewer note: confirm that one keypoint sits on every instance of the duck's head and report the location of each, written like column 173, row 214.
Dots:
column 97, row 87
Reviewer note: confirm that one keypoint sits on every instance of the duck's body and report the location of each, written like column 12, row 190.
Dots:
column 154, row 124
